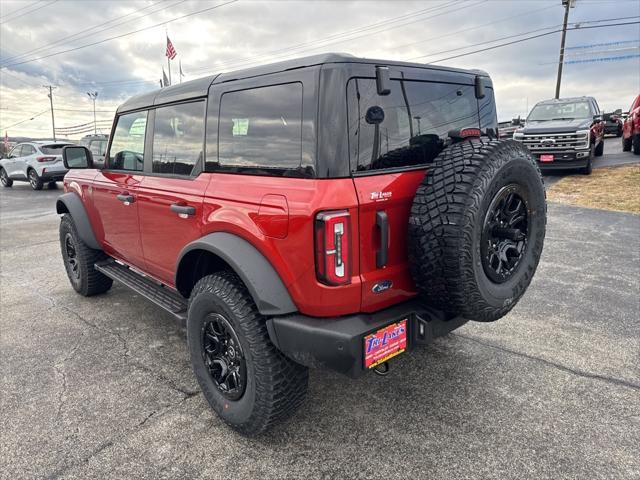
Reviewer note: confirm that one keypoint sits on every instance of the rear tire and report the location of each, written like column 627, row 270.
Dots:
column 4, row 178
column 636, row 144
column 34, row 180
column 626, row 144
column 456, row 229
column 267, row 387
column 599, row 149
column 79, row 260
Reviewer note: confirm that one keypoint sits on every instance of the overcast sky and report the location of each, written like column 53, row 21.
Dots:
column 246, row 33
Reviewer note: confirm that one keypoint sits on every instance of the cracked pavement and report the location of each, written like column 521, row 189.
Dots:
column 102, row 387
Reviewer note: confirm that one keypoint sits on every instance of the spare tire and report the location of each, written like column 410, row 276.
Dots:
column 477, row 228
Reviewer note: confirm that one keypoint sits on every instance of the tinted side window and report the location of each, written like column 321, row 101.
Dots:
column 407, row 127
column 127, row 147
column 178, row 138
column 488, row 115
column 260, row 131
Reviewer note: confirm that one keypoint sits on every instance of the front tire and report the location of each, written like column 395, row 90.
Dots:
column 636, row 144
column 477, row 228
column 4, row 178
column 626, row 144
column 34, row 180
column 599, row 149
column 79, row 260
column 246, row 380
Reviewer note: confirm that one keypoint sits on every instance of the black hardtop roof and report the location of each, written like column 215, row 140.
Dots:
column 199, row 87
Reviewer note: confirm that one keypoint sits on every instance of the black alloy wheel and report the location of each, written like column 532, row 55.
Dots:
column 71, row 257
column 223, row 356
column 4, row 178
column 504, row 235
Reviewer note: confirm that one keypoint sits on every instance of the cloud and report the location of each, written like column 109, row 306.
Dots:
column 249, row 33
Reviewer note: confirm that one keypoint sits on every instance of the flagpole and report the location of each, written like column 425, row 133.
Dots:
column 169, row 65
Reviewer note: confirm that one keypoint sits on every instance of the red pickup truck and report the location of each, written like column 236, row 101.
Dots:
column 631, row 128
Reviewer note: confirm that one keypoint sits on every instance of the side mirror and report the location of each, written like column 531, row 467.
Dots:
column 597, row 118
column 76, row 156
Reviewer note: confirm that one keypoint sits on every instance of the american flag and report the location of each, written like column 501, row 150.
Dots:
column 171, row 52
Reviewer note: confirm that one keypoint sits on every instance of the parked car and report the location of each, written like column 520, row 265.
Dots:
column 97, row 143
column 564, row 133
column 631, row 128
column 299, row 230
column 34, row 162
column 613, row 123
column 507, row 129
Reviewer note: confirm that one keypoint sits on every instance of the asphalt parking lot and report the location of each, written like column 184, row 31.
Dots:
column 102, row 387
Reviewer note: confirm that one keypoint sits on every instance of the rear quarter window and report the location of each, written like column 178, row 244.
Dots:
column 260, row 131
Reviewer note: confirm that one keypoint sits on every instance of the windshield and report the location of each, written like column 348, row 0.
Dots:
column 559, row 111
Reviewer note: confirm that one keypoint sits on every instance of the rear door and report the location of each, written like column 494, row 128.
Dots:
column 392, row 141
column 172, row 191
column 27, row 153
column 115, row 190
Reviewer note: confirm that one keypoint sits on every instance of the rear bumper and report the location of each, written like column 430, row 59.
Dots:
column 608, row 129
column 338, row 343
column 563, row 159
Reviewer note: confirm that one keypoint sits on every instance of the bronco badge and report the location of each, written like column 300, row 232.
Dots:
column 382, row 286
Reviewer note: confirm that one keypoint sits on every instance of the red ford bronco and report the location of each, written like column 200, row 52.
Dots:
column 329, row 211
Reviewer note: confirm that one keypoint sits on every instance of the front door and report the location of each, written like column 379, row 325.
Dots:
column 115, row 190
column 171, row 196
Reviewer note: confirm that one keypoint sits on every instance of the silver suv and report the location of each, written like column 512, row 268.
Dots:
column 34, row 162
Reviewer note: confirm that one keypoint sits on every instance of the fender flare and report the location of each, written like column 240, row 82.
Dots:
column 72, row 203
column 261, row 279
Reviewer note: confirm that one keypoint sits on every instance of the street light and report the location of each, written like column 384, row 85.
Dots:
column 93, row 96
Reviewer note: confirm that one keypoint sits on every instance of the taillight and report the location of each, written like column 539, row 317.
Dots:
column 45, row 159
column 333, row 247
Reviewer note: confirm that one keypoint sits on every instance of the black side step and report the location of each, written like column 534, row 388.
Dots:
column 162, row 296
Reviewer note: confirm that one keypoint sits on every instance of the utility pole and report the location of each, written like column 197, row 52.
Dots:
column 567, row 4
column 93, row 96
column 53, row 120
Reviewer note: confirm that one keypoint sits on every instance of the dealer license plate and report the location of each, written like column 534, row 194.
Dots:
column 546, row 158
column 385, row 343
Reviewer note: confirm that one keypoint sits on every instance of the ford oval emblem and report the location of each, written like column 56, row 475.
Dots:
column 382, row 286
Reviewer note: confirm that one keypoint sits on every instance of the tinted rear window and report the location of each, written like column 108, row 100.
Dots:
column 414, row 120
column 260, row 131
column 53, row 149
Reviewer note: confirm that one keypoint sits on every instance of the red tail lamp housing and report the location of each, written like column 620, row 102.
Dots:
column 45, row 159
column 333, row 247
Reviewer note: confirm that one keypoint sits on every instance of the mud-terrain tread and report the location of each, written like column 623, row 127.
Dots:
column 281, row 384
column 441, row 226
column 95, row 282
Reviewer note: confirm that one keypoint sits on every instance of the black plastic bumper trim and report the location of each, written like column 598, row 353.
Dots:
column 337, row 343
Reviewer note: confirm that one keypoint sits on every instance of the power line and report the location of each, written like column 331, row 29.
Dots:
column 92, row 31
column 27, row 12
column 529, row 38
column 575, row 24
column 121, row 35
column 25, row 120
column 18, row 9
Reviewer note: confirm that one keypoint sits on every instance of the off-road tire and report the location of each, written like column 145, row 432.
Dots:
column 88, row 281
column 34, row 180
column 626, row 144
column 636, row 144
column 447, row 220
column 275, row 387
column 599, row 150
column 4, row 178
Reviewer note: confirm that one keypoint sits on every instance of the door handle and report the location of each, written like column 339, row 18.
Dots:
column 125, row 198
column 382, row 222
column 181, row 209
